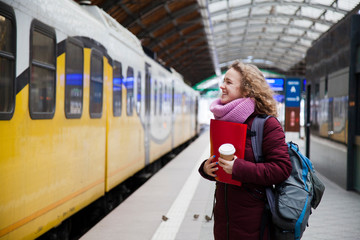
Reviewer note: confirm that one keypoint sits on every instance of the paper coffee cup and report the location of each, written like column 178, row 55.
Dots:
column 227, row 151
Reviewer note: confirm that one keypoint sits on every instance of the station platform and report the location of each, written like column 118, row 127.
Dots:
column 174, row 203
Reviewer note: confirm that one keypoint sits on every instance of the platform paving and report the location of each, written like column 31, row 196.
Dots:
column 336, row 218
column 174, row 203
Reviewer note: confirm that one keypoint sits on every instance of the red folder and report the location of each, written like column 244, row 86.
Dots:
column 227, row 132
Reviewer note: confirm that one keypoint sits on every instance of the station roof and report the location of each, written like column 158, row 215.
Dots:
column 200, row 38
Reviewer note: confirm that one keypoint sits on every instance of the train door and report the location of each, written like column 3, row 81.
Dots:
column 357, row 122
column 356, row 138
column 147, row 112
column 353, row 168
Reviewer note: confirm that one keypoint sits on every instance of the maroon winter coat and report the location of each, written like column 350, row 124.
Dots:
column 245, row 204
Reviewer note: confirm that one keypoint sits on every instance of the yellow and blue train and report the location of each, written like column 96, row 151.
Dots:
column 82, row 108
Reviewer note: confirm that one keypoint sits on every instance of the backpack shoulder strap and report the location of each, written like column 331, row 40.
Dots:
column 257, row 130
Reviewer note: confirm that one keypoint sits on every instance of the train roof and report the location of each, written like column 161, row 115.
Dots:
column 114, row 27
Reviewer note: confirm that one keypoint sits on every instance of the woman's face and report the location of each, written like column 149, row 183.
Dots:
column 231, row 87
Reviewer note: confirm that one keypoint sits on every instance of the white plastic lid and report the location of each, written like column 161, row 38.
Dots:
column 227, row 149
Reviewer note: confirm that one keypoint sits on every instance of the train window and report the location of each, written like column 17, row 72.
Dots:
column 358, row 107
column 117, row 89
column 172, row 97
column 317, row 89
column 129, row 84
column 7, row 62
column 357, row 91
column 155, row 97
column 96, row 84
column 161, row 98
column 138, row 97
column 42, row 71
column 182, row 102
column 176, row 101
column 74, row 78
column 357, row 63
column 326, row 86
column 357, row 104
column 170, row 100
column 166, row 100
column 147, row 96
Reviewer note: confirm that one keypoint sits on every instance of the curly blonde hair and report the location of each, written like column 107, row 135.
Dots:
column 254, row 85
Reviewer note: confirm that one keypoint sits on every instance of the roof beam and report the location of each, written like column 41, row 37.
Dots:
column 255, row 53
column 191, row 45
column 154, row 6
column 107, row 4
column 260, row 53
column 261, row 34
column 267, row 16
column 172, row 17
column 275, row 61
column 225, row 48
column 192, row 55
column 281, row 3
column 168, row 50
column 199, row 33
column 171, row 33
column 281, row 25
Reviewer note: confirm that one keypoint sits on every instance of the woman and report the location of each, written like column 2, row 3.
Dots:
column 238, row 210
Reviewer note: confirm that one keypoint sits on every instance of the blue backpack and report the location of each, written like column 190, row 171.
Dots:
column 289, row 203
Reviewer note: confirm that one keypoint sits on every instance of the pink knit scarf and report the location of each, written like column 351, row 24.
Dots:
column 237, row 110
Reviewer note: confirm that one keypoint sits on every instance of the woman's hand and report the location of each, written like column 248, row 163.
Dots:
column 210, row 167
column 226, row 165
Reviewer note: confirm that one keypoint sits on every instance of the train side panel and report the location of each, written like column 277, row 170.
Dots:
column 47, row 165
column 330, row 107
column 160, row 113
column 47, row 158
column 184, row 114
column 339, row 104
column 125, row 133
column 177, row 118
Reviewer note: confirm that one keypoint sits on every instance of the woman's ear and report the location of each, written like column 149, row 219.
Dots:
column 245, row 93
